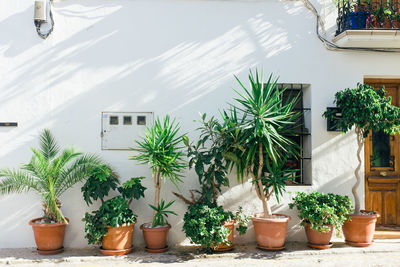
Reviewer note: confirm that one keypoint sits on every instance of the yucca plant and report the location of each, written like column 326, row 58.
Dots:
column 257, row 135
column 161, row 149
column 50, row 172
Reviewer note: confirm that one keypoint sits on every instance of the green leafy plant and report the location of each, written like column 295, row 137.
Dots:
column 365, row 109
column 161, row 149
column 203, row 224
column 50, row 172
column 160, row 218
column 113, row 212
column 321, row 210
column 257, row 132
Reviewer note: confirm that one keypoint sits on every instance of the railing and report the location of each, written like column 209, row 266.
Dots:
column 366, row 14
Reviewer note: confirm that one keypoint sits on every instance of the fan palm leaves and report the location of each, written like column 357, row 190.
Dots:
column 50, row 172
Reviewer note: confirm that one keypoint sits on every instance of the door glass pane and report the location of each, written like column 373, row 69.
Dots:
column 380, row 149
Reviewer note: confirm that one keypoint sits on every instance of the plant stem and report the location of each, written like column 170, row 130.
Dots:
column 360, row 142
column 261, row 195
column 157, row 185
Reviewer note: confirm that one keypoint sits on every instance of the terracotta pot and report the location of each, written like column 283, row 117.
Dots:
column 359, row 231
column 318, row 239
column 49, row 237
column 156, row 238
column 386, row 24
column 223, row 247
column 118, row 240
column 396, row 24
column 270, row 232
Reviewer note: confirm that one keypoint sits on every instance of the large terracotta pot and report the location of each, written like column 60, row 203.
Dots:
column 359, row 231
column 118, row 240
column 156, row 238
column 49, row 237
column 316, row 239
column 223, row 247
column 270, row 232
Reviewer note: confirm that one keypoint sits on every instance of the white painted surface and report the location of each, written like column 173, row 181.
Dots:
column 170, row 57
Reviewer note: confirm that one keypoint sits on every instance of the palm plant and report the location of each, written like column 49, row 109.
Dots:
column 257, row 135
column 160, row 148
column 50, row 173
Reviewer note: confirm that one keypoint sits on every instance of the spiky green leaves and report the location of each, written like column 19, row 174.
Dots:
column 161, row 215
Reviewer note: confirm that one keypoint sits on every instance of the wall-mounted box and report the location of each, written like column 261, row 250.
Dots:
column 8, row 124
column 119, row 130
column 336, row 115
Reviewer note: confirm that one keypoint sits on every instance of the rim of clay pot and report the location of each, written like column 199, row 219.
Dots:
column 229, row 223
column 155, row 229
column 375, row 215
column 307, row 223
column 258, row 217
column 34, row 223
column 122, row 226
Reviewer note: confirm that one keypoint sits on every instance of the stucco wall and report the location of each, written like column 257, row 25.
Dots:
column 170, row 57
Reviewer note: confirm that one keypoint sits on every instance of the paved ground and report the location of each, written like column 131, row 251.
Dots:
column 382, row 253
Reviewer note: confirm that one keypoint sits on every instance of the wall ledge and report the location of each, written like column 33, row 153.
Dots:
column 369, row 38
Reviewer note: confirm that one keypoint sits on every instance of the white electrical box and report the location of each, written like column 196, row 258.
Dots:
column 121, row 129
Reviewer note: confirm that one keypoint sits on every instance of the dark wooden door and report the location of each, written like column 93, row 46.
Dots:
column 382, row 176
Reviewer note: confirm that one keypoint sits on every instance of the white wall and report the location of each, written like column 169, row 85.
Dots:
column 170, row 57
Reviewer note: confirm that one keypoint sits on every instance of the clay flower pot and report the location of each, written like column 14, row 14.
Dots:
column 49, row 237
column 156, row 238
column 223, row 247
column 316, row 239
column 359, row 231
column 270, row 232
column 118, row 240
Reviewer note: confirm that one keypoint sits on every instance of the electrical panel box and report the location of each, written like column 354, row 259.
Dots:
column 121, row 129
column 40, row 10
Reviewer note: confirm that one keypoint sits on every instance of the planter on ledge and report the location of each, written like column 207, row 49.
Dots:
column 359, row 231
column 156, row 238
column 318, row 240
column 223, row 247
column 118, row 240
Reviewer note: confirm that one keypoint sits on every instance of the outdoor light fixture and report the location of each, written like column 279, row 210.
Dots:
column 40, row 18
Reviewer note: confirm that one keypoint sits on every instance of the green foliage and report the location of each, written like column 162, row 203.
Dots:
column 50, row 173
column 367, row 109
column 132, row 188
column 206, row 156
column 114, row 213
column 203, row 224
column 161, row 213
column 321, row 210
column 242, row 220
column 259, row 119
column 160, row 148
column 98, row 185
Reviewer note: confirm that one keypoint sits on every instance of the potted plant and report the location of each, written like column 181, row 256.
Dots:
column 50, row 172
column 257, row 142
column 383, row 17
column 113, row 223
column 359, row 15
column 160, row 148
column 396, row 20
column 365, row 109
column 206, row 223
column 319, row 214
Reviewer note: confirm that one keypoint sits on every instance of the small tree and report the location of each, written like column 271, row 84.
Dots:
column 367, row 110
column 257, row 135
column 161, row 149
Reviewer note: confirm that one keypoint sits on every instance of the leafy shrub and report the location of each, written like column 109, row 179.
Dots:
column 321, row 210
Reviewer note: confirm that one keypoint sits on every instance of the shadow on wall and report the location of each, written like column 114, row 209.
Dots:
column 113, row 56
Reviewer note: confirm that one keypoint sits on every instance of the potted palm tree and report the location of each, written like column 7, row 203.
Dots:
column 50, row 173
column 161, row 149
column 257, row 142
column 364, row 109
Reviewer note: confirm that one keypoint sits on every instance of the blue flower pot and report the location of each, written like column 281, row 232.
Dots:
column 357, row 20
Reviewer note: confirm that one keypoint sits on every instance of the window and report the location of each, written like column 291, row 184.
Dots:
column 127, row 120
column 113, row 120
column 141, row 120
column 302, row 129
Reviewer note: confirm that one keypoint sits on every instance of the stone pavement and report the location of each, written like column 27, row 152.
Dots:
column 382, row 253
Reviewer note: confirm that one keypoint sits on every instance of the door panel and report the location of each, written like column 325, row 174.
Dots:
column 381, row 166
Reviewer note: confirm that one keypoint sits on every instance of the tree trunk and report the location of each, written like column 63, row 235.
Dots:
column 360, row 142
column 260, row 187
column 157, row 185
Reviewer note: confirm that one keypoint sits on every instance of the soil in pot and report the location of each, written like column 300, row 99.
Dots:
column 270, row 232
column 223, row 247
column 156, row 238
column 118, row 240
column 316, row 239
column 49, row 237
column 359, row 231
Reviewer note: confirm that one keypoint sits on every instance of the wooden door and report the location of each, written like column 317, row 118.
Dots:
column 382, row 176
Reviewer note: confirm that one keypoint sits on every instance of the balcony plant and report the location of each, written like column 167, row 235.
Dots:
column 113, row 223
column 319, row 214
column 383, row 16
column 50, row 172
column 364, row 109
column 161, row 149
column 206, row 223
column 257, row 132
